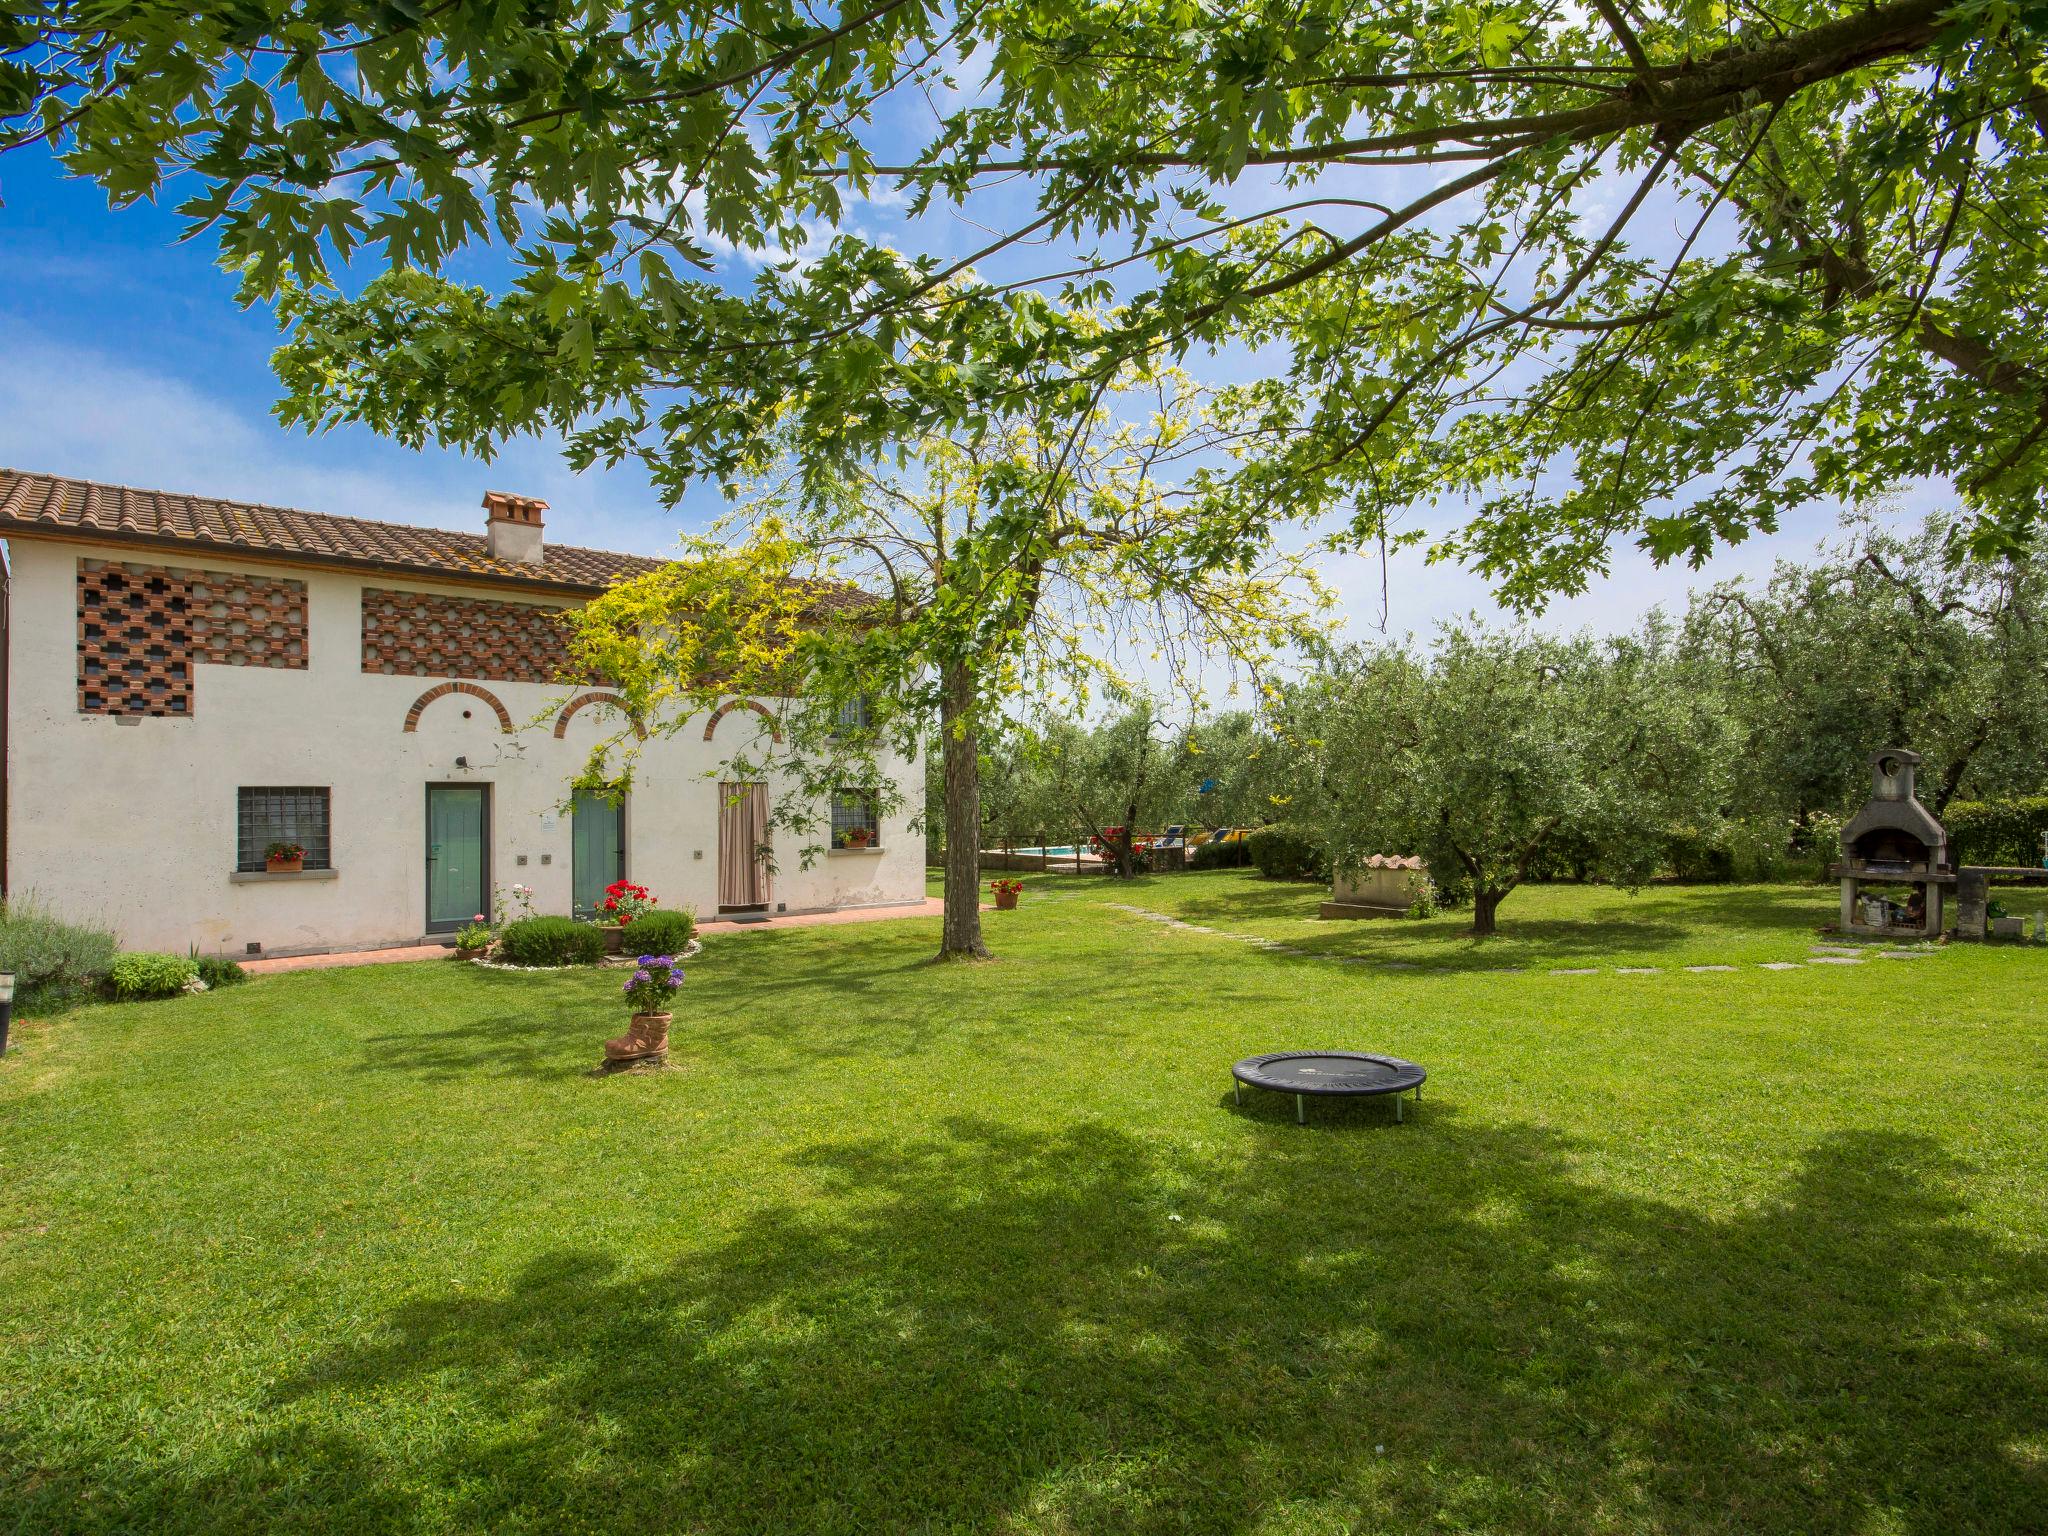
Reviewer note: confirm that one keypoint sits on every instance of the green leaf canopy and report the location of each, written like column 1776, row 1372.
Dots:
column 1648, row 272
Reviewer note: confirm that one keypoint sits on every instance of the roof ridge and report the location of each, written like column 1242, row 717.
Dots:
column 251, row 506
column 316, row 534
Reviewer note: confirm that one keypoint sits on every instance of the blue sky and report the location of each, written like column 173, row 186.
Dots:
column 129, row 361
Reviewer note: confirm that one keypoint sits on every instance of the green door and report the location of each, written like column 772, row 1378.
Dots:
column 597, row 849
column 458, row 854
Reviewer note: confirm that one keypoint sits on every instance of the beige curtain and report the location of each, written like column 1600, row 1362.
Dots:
column 742, row 845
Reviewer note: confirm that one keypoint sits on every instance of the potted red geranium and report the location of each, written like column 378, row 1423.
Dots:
column 284, row 858
column 1007, row 892
column 623, row 901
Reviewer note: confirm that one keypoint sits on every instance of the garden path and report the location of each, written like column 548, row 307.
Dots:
column 931, row 906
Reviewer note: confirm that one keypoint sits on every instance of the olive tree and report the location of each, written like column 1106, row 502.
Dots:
column 1487, row 751
column 1886, row 640
column 1132, row 770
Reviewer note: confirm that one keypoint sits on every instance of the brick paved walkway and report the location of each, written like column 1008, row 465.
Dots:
column 931, row 906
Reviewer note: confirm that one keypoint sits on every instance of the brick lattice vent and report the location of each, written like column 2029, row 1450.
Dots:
column 417, row 634
column 141, row 628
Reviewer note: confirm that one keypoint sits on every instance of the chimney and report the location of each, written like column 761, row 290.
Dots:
column 513, row 532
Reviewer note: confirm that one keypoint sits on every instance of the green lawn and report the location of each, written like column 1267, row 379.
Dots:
column 904, row 1248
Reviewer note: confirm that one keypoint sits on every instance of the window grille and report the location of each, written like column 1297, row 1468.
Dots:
column 853, row 717
column 266, row 816
column 853, row 811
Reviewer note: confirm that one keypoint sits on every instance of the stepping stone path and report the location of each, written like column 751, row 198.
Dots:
column 1823, row 954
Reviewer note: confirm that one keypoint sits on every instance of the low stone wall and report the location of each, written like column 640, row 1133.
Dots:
column 1383, row 887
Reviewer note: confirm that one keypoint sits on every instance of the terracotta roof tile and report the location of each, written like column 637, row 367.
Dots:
column 195, row 524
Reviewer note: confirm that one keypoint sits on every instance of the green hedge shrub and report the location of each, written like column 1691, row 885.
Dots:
column 220, row 971
column 659, row 933
column 1997, row 831
column 1219, row 856
column 143, row 974
column 1289, row 851
column 1698, row 854
column 53, row 962
column 550, row 941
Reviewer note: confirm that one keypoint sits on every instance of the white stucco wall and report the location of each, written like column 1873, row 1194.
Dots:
column 131, row 822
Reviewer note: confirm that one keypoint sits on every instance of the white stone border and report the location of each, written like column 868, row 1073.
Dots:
column 612, row 961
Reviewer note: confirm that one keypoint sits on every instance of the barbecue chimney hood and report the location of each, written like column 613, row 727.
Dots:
column 1893, row 820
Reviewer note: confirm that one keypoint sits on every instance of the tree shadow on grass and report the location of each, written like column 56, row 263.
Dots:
column 1440, row 1327
column 737, row 998
column 1640, row 926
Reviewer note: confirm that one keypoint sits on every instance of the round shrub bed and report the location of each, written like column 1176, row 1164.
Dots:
column 658, row 933
column 550, row 941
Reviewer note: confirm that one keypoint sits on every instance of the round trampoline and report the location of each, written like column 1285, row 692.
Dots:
column 1335, row 1074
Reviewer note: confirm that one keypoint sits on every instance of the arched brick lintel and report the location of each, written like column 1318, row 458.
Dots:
column 599, row 697
column 718, row 714
column 442, row 690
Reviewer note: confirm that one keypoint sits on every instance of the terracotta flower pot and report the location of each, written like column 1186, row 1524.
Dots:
column 648, row 1036
column 1006, row 901
column 285, row 866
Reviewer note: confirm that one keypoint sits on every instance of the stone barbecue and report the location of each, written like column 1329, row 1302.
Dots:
column 1894, row 840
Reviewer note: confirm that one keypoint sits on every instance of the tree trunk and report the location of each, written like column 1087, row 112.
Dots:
column 960, row 748
column 1484, row 905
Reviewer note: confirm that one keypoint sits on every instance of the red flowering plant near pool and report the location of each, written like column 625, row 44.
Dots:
column 624, row 901
column 1006, row 887
column 1110, row 839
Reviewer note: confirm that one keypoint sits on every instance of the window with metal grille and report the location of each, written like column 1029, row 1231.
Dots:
column 853, row 717
column 266, row 816
column 854, row 821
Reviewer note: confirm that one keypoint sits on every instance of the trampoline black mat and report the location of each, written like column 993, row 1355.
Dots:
column 1329, row 1072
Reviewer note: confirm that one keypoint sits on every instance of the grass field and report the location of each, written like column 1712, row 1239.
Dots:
column 908, row 1248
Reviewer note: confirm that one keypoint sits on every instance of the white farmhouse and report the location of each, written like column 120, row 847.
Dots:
column 187, row 681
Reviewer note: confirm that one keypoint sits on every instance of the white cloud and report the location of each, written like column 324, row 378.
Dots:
column 65, row 411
